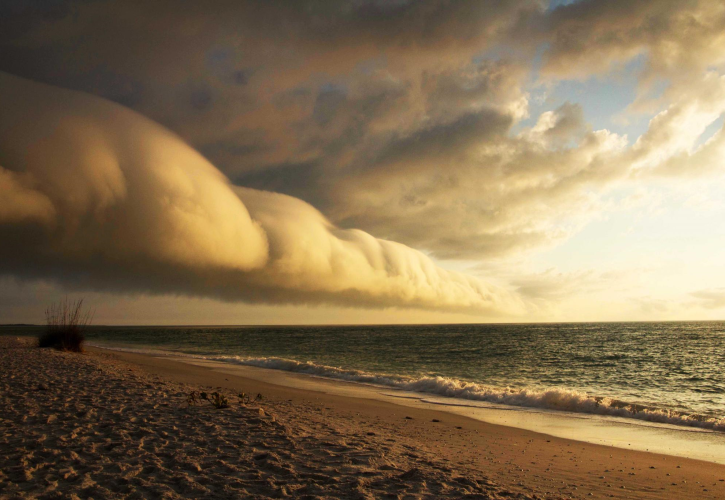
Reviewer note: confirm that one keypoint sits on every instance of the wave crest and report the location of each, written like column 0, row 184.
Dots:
column 549, row 399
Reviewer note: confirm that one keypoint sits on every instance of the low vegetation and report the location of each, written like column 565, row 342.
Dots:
column 245, row 399
column 65, row 325
column 219, row 400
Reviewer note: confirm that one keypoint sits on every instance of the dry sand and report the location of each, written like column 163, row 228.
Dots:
column 107, row 424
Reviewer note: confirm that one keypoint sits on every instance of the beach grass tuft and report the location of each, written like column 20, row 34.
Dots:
column 65, row 324
column 219, row 400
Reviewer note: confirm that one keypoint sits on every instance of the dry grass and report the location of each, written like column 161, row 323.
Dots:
column 65, row 322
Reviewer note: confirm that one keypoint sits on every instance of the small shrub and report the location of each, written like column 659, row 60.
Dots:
column 219, row 401
column 216, row 399
column 65, row 323
column 245, row 399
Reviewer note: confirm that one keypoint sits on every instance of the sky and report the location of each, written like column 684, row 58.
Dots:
column 363, row 161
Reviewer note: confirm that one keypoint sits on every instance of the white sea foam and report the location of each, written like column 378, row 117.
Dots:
column 550, row 399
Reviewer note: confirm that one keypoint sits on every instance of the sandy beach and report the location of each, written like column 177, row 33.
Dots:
column 110, row 425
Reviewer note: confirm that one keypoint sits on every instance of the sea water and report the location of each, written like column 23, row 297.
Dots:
column 663, row 372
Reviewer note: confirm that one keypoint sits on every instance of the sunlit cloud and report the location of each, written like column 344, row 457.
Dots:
column 98, row 196
column 435, row 125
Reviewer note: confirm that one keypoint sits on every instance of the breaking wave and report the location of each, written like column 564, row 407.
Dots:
column 549, row 399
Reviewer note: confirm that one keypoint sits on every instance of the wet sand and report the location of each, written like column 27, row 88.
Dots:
column 112, row 424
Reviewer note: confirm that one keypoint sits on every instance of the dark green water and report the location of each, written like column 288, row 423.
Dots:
column 670, row 366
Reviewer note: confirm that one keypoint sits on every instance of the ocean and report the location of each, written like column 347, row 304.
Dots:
column 670, row 372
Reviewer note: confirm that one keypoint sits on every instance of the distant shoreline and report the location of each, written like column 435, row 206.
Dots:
column 313, row 325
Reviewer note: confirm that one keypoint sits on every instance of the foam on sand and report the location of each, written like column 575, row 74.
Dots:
column 551, row 399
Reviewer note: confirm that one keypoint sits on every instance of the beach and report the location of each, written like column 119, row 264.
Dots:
column 108, row 424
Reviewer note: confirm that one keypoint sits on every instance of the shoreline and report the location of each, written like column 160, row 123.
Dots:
column 123, row 426
column 612, row 430
column 519, row 458
column 647, row 401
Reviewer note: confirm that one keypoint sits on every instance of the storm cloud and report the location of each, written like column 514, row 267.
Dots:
column 96, row 195
column 430, row 123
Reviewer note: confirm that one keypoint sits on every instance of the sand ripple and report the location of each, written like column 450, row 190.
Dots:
column 81, row 426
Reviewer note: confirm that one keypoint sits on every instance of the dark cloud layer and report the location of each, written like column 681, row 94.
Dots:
column 99, row 197
column 401, row 118
column 295, row 97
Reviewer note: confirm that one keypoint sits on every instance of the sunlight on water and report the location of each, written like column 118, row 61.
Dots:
column 663, row 369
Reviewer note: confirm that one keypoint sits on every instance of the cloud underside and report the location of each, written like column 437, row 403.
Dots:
column 95, row 195
column 397, row 117
column 410, row 120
